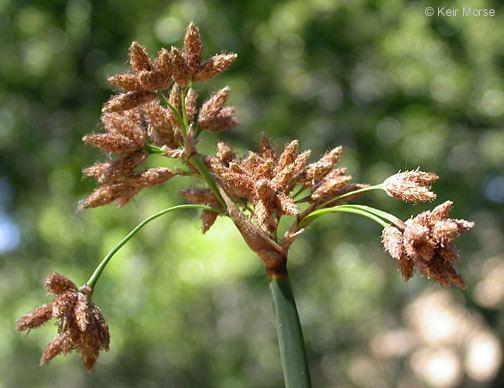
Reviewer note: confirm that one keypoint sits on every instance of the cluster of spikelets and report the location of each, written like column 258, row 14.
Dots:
column 140, row 116
column 265, row 180
column 426, row 243
column 254, row 190
column 81, row 324
column 264, row 185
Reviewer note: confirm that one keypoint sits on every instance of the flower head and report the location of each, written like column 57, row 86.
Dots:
column 411, row 186
column 426, row 243
column 81, row 324
column 148, row 75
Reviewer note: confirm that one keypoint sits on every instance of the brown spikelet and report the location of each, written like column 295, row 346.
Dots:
column 138, row 58
column 56, row 284
column 213, row 116
column 63, row 304
column 288, row 155
column 163, row 64
column 153, row 80
column 215, row 65
column 128, row 124
column 160, row 121
column 300, row 162
column 115, row 170
column 35, row 318
column 215, row 103
column 110, row 142
column 54, row 348
column 126, row 82
column 191, row 101
column 127, row 101
column 223, row 121
column 180, row 72
column 80, row 312
column 100, row 326
column 239, row 186
column 315, row 172
column 193, row 48
column 126, row 188
column 286, row 204
column 265, row 148
column 152, row 177
column 287, row 178
column 225, row 153
column 411, row 186
column 441, row 212
column 331, row 185
column 103, row 195
column 392, row 240
column 127, row 195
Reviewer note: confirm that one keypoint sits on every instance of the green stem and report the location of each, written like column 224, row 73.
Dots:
column 290, row 335
column 166, row 103
column 185, row 119
column 353, row 209
column 210, row 181
column 350, row 193
column 154, row 149
column 380, row 213
column 99, row 269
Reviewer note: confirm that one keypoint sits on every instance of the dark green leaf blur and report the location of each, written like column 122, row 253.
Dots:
column 396, row 88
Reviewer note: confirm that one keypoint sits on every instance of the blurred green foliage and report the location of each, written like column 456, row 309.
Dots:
column 398, row 89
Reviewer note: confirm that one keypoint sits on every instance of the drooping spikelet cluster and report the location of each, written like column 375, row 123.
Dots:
column 81, row 324
column 426, row 243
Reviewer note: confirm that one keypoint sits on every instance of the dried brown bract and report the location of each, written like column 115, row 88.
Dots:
column 427, row 243
column 81, row 324
column 411, row 186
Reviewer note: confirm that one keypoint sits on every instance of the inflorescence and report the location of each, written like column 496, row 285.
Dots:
column 157, row 112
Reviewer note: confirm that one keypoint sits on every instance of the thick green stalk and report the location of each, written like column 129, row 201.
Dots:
column 290, row 335
column 99, row 269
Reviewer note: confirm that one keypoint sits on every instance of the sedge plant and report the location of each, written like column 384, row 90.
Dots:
column 157, row 112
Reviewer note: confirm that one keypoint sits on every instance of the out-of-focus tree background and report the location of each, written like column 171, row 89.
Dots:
column 398, row 89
